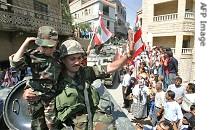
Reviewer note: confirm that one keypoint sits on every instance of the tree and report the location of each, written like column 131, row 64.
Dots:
column 66, row 15
column 84, row 26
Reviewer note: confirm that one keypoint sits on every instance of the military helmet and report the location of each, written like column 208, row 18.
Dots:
column 46, row 36
column 69, row 47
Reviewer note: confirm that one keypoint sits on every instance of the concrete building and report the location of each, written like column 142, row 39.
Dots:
column 86, row 11
column 121, row 25
column 22, row 18
column 171, row 23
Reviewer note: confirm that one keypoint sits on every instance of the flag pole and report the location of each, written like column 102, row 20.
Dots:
column 90, row 44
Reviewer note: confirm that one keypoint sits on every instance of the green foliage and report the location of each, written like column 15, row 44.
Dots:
column 84, row 26
column 66, row 15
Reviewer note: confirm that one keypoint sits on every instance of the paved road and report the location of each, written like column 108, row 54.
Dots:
column 120, row 115
column 116, row 92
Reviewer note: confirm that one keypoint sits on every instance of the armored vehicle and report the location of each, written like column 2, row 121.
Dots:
column 105, row 56
column 4, row 91
column 16, row 116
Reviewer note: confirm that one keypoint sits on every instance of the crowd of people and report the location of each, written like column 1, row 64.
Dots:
column 153, row 92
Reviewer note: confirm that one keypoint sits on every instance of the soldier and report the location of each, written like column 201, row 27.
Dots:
column 45, row 71
column 78, row 103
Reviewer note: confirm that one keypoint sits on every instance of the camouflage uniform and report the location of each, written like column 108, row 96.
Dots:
column 70, row 103
column 45, row 73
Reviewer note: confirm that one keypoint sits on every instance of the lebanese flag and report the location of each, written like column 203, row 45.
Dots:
column 102, row 34
column 139, row 45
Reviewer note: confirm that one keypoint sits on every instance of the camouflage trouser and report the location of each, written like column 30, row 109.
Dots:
column 43, row 115
column 101, row 121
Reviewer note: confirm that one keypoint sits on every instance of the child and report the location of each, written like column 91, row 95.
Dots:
column 45, row 70
column 172, row 110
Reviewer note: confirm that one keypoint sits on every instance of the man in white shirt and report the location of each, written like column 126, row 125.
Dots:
column 159, row 101
column 178, row 89
column 125, row 84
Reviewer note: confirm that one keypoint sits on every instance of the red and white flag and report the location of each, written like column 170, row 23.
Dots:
column 102, row 34
column 139, row 45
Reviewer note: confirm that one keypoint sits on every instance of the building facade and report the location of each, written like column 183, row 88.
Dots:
column 171, row 23
column 87, row 11
column 121, row 25
column 22, row 18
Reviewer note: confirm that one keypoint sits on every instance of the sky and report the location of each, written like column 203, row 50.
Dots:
column 131, row 8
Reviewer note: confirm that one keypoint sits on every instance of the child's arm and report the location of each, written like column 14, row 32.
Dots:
column 23, row 48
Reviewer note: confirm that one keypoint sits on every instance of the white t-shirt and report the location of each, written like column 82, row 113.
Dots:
column 172, row 111
column 188, row 100
column 179, row 92
column 126, row 80
column 159, row 99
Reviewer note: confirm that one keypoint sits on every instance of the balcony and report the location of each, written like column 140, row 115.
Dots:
column 166, row 17
column 173, row 16
column 189, row 15
column 185, row 51
column 28, row 22
column 170, row 23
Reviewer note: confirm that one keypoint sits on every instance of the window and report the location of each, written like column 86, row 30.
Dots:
column 41, row 8
column 106, row 10
column 186, row 44
column 86, row 12
column 107, row 23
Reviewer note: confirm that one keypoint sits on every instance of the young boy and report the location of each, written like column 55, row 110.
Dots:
column 172, row 110
column 45, row 71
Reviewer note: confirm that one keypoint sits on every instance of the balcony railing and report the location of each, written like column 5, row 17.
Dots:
column 173, row 16
column 184, row 50
column 189, row 15
column 166, row 17
column 187, row 50
column 173, row 50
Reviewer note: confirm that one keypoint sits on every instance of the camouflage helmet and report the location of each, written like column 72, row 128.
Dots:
column 46, row 36
column 70, row 47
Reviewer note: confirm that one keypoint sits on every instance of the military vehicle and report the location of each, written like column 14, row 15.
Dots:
column 4, row 91
column 105, row 56
column 16, row 115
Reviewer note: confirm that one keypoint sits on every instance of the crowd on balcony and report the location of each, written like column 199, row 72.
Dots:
column 154, row 94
